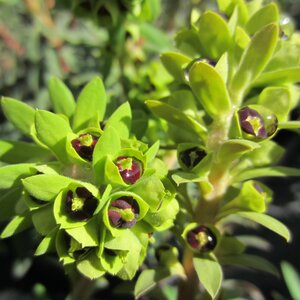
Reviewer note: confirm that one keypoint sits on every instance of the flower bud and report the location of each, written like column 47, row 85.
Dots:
column 191, row 157
column 81, row 204
column 123, row 212
column 130, row 169
column 84, row 145
column 253, row 123
column 201, row 238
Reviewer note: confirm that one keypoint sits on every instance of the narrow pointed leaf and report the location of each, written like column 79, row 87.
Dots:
column 267, row 172
column 210, row 274
column 268, row 222
column 8, row 202
column 45, row 186
column 16, row 225
column 91, row 103
column 209, row 88
column 19, row 114
column 214, row 35
column 175, row 117
column 47, row 244
column 11, row 175
column 17, row 152
column 120, row 120
column 43, row 220
column 289, row 75
column 292, row 279
column 289, row 125
column 175, row 63
column 254, row 60
column 52, row 130
column 266, row 15
column 148, row 279
column 61, row 97
column 250, row 261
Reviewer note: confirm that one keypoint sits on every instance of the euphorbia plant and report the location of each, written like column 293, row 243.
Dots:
column 98, row 196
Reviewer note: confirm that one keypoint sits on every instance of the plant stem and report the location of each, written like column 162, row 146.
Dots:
column 188, row 288
column 82, row 289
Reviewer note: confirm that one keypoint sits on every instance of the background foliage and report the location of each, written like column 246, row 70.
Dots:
column 39, row 39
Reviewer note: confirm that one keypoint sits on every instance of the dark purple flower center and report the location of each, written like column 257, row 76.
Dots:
column 252, row 122
column 123, row 212
column 201, row 238
column 130, row 169
column 84, row 145
column 255, row 124
column 191, row 157
column 80, row 205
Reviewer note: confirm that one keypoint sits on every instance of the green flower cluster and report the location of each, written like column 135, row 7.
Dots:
column 92, row 190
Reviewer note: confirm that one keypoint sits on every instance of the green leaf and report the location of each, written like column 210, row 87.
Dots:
column 187, row 41
column 108, row 144
column 184, row 177
column 148, row 279
column 210, row 89
column 175, row 63
column 249, row 199
column 222, row 67
column 46, row 187
column 47, row 244
column 61, row 97
column 90, row 266
column 234, row 149
column 164, row 217
column 250, row 261
column 268, row 222
column 52, row 130
column 176, row 117
column 16, row 225
column 281, row 107
column 292, row 279
column 8, row 202
column 43, row 219
column 229, row 245
column 91, row 103
column 19, row 114
column 120, row 120
column 152, row 151
column 267, row 172
column 214, row 35
column 289, row 125
column 266, row 15
column 150, row 189
column 209, row 273
column 86, row 235
column 280, row 77
column 127, row 241
column 269, row 153
column 11, row 175
column 130, row 266
column 254, row 60
column 185, row 101
column 17, row 152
